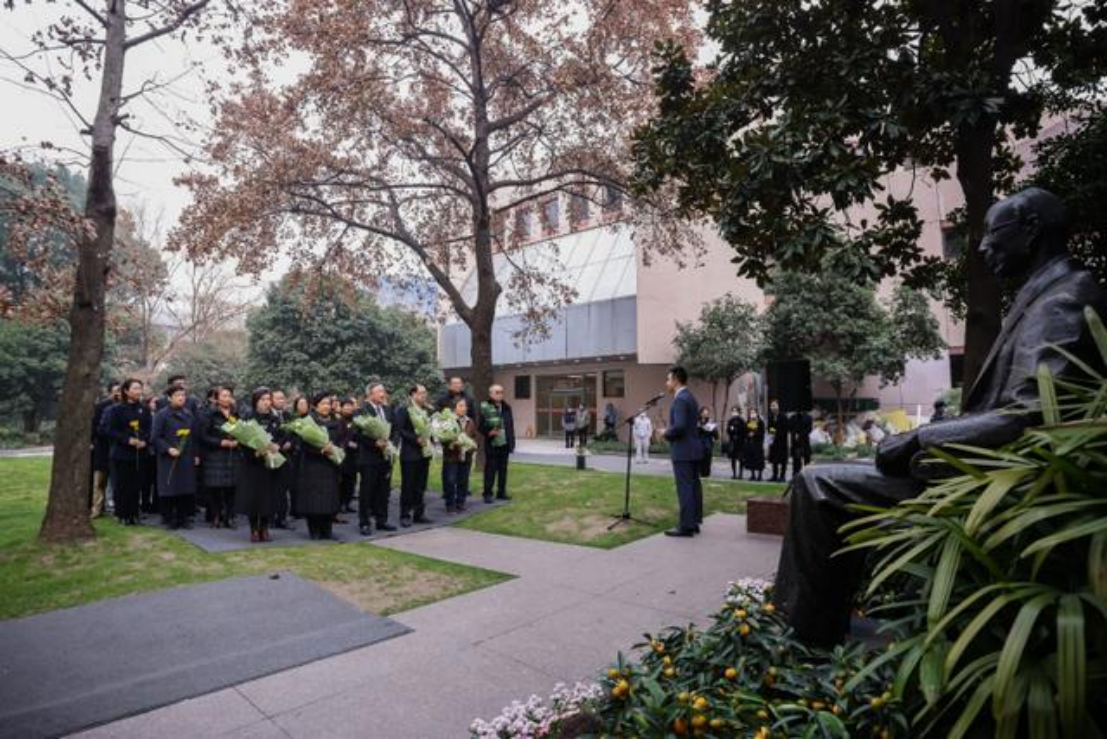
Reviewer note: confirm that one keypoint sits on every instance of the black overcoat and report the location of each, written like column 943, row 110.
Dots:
column 219, row 465
column 777, row 426
column 257, row 485
column 176, row 476
column 317, row 479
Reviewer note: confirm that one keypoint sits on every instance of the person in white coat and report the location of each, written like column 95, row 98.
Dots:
column 643, row 431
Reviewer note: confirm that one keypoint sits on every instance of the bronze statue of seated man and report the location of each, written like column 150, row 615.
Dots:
column 1025, row 238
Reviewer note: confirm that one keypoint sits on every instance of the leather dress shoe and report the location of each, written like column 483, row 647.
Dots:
column 684, row 533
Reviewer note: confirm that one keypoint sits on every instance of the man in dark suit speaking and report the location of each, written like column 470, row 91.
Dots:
column 685, row 451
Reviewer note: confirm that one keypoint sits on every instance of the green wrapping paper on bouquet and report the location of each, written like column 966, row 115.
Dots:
column 378, row 429
column 447, row 430
column 493, row 419
column 251, row 435
column 314, row 435
column 422, row 426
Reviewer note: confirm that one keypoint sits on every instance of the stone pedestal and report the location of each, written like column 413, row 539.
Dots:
column 767, row 514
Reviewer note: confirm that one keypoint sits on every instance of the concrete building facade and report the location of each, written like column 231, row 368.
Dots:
column 614, row 341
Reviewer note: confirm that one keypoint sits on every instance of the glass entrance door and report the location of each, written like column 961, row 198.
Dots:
column 555, row 393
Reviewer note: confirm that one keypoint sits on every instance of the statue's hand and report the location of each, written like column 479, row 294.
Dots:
column 895, row 453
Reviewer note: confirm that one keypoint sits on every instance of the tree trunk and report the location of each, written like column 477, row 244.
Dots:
column 67, row 513
column 975, row 174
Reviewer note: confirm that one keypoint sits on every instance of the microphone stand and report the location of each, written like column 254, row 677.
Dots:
column 625, row 516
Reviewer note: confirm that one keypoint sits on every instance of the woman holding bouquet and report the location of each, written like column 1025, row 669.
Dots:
column 128, row 431
column 256, row 494
column 317, row 489
column 456, row 456
column 177, row 458
column 220, row 467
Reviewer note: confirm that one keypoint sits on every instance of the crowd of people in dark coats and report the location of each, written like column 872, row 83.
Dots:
column 172, row 454
column 786, row 436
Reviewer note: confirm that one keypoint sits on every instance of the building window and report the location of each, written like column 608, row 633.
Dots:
column 578, row 210
column 523, row 387
column 611, row 200
column 523, row 224
column 613, row 383
column 954, row 241
column 551, row 217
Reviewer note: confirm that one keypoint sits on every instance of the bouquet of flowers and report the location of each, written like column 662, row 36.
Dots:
column 422, row 425
column 314, row 435
column 182, row 442
column 378, row 429
column 448, row 430
column 251, row 435
column 492, row 418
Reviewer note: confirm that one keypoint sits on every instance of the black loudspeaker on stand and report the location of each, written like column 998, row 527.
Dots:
column 626, row 516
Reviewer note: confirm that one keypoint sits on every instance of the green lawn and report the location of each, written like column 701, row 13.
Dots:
column 575, row 507
column 553, row 503
column 36, row 577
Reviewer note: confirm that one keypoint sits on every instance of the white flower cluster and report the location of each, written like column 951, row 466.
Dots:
column 534, row 717
column 747, row 589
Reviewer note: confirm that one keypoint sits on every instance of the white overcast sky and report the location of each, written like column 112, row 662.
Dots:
column 145, row 168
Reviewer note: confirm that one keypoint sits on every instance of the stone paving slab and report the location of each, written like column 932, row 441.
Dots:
column 76, row 667
column 229, row 540
column 565, row 616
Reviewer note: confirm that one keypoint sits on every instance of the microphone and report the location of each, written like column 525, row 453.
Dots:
column 655, row 399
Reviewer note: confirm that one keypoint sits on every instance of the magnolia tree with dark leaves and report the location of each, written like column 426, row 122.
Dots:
column 379, row 137
column 87, row 42
column 846, row 334
column 807, row 107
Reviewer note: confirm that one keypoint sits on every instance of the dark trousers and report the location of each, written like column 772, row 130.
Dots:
column 583, row 436
column 779, row 470
column 455, row 482
column 413, row 483
column 176, row 509
column 281, row 504
column 320, row 527
column 801, row 459
column 496, row 472
column 348, row 482
column 813, row 588
column 221, row 504
column 126, row 487
column 571, row 437
column 373, row 494
column 148, row 490
column 690, row 496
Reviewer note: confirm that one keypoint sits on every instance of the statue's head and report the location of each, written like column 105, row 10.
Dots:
column 1022, row 229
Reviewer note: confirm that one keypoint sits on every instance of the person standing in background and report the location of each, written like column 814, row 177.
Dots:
column 455, row 391
column 708, row 431
column 611, row 418
column 285, row 473
column 348, row 471
column 129, row 430
column 374, row 467
column 569, row 426
column 101, row 450
column 643, row 431
column 777, row 428
column 415, row 464
column 177, row 457
column 220, row 461
column 754, row 451
column 584, row 420
column 498, row 429
column 685, row 450
column 800, row 440
column 736, row 439
column 148, row 489
column 257, row 483
column 317, row 489
column 456, row 463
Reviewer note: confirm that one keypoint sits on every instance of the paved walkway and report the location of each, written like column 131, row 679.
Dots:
column 562, row 619
column 553, row 451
